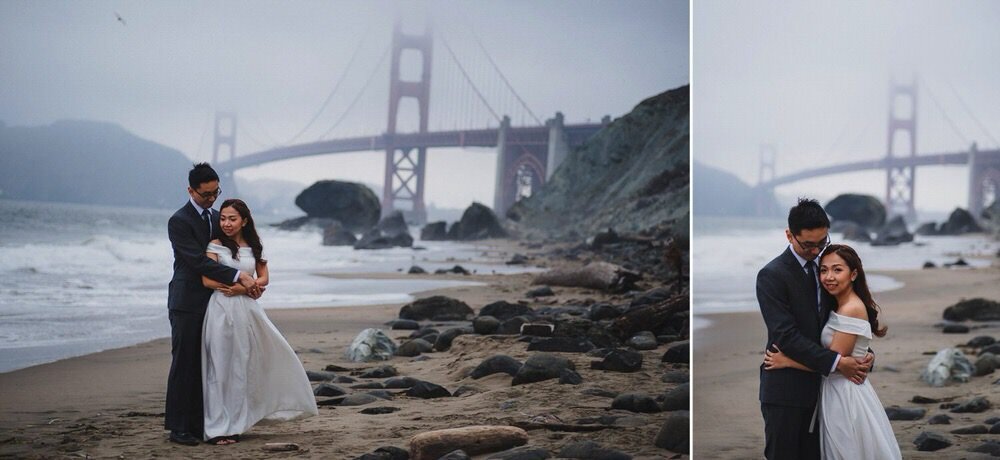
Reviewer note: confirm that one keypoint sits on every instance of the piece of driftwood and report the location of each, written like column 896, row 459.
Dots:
column 474, row 440
column 280, row 446
column 649, row 317
column 595, row 275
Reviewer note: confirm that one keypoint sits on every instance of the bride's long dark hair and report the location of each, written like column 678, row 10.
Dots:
column 860, row 284
column 249, row 230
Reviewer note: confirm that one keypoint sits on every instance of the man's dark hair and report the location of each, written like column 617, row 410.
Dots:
column 807, row 215
column 201, row 173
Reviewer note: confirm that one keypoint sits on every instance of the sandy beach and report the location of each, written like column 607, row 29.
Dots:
column 727, row 421
column 110, row 404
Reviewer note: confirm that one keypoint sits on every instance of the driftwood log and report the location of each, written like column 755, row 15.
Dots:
column 596, row 275
column 649, row 317
column 474, row 440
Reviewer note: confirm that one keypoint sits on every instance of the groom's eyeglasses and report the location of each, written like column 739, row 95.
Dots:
column 809, row 245
column 207, row 195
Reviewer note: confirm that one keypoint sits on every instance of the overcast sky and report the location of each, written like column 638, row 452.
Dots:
column 165, row 70
column 812, row 78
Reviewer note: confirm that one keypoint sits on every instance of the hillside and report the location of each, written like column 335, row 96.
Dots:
column 720, row 193
column 76, row 161
column 632, row 176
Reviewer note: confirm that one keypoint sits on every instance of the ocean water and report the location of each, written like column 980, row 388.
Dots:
column 726, row 255
column 76, row 279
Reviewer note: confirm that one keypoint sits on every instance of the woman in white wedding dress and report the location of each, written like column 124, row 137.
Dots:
column 852, row 422
column 250, row 373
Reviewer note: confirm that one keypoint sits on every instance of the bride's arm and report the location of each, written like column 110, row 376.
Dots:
column 229, row 291
column 262, row 273
column 778, row 360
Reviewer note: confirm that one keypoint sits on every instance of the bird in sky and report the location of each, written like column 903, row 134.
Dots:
column 120, row 18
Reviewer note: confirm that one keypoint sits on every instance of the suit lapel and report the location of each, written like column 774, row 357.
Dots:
column 199, row 225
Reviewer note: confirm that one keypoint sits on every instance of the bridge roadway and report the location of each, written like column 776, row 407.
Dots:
column 534, row 135
column 939, row 159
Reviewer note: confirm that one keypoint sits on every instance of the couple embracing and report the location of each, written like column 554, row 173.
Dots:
column 815, row 397
column 231, row 367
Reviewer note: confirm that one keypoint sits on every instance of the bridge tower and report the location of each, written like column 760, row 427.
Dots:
column 984, row 181
column 522, row 160
column 900, row 179
column 225, row 143
column 405, row 166
column 764, row 196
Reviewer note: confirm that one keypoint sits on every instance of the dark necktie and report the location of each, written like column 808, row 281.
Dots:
column 208, row 222
column 811, row 269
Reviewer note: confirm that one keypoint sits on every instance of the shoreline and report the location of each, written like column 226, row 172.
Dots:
column 727, row 420
column 110, row 403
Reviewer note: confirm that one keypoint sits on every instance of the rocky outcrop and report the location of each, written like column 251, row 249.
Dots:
column 864, row 210
column 336, row 235
column 354, row 205
column 390, row 232
column 631, row 175
column 959, row 222
column 991, row 219
column 894, row 232
column 434, row 231
column 478, row 223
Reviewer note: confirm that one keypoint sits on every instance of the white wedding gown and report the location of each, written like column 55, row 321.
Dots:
column 249, row 372
column 852, row 421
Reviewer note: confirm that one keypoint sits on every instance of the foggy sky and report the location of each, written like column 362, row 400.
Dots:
column 164, row 73
column 812, row 78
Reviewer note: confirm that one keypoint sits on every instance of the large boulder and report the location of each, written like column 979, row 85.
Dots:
column 478, row 222
column 354, row 205
column 894, row 232
column 977, row 309
column 436, row 308
column 959, row 222
column 864, row 210
column 371, row 345
column 390, row 232
column 434, row 231
column 947, row 366
column 542, row 366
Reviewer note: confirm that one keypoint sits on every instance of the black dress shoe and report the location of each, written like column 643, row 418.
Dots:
column 181, row 437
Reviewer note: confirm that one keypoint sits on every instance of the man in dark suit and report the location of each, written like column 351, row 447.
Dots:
column 795, row 309
column 190, row 229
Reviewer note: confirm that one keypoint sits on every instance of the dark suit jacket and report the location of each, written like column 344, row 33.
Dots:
column 794, row 324
column 189, row 237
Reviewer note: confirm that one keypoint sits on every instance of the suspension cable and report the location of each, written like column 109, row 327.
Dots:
column 467, row 79
column 364, row 89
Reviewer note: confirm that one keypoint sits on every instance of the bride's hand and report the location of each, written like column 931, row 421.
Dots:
column 776, row 359
column 234, row 290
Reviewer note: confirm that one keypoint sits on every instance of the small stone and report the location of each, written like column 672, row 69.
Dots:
column 414, row 347
column 976, row 405
column 496, row 364
column 924, row 400
column 619, row 360
column 379, row 410
column 678, row 353
column 992, row 420
column 543, row 291
column 561, row 344
column 675, row 377
column 677, row 398
column 320, row 376
column 484, row 325
column 635, row 402
column 981, row 341
column 644, row 340
column 380, row 372
column 673, row 435
column 973, row 429
column 400, row 382
column 939, row 419
column 591, row 450
column 358, row 399
column 443, row 342
column 522, row 453
column 404, row 324
column 989, row 447
column 416, row 270
column 995, row 428
column 541, row 366
column 427, row 390
column 903, row 413
column 570, row 377
column 537, row 329
column 930, row 441
column 955, row 329
column 466, row 390
column 603, row 311
column 599, row 392
column 327, row 389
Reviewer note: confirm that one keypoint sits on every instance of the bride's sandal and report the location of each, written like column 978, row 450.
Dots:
column 221, row 441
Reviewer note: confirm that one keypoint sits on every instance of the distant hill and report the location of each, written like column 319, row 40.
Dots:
column 77, row 161
column 632, row 176
column 720, row 193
